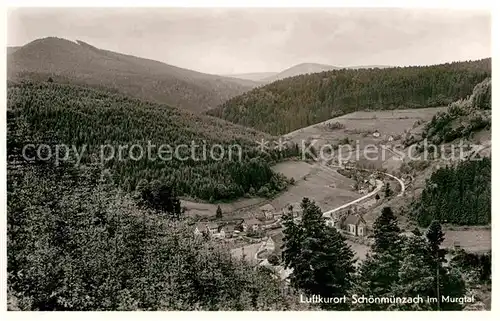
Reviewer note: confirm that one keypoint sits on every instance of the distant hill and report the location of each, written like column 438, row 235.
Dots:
column 12, row 49
column 254, row 76
column 300, row 69
column 80, row 63
column 300, row 101
column 370, row 66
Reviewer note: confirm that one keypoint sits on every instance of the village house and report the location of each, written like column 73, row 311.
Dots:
column 376, row 134
column 267, row 211
column 269, row 246
column 213, row 228
column 227, row 231
column 355, row 225
column 200, row 228
column 209, row 228
column 251, row 224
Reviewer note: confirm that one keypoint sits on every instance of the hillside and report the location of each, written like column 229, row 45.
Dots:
column 300, row 101
column 80, row 63
column 104, row 127
column 300, row 69
column 75, row 242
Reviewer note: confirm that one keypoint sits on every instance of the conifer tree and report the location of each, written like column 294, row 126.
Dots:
column 379, row 271
column 218, row 212
column 322, row 263
column 422, row 273
column 386, row 232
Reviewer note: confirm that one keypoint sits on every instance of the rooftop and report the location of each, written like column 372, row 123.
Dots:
column 267, row 207
column 252, row 221
column 354, row 219
column 212, row 225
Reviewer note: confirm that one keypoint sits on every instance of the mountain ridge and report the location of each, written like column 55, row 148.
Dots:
column 299, row 101
column 295, row 70
column 81, row 63
column 300, row 69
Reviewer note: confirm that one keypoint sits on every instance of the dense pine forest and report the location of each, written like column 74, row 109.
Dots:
column 397, row 265
column 52, row 114
column 300, row 101
column 458, row 195
column 75, row 242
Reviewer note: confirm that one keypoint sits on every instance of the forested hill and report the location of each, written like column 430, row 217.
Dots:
column 296, row 102
column 102, row 123
column 80, row 63
column 76, row 243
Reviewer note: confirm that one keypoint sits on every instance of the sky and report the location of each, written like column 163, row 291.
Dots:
column 239, row 40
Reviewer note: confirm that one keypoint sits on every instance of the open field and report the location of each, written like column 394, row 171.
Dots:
column 359, row 127
column 326, row 187
column 207, row 209
column 386, row 122
column 473, row 240
column 295, row 169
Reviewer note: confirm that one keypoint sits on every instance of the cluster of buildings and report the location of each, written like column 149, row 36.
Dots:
column 266, row 217
column 348, row 220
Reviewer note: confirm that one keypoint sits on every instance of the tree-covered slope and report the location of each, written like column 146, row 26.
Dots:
column 300, row 101
column 98, row 124
column 459, row 195
column 463, row 117
column 76, row 243
column 80, row 63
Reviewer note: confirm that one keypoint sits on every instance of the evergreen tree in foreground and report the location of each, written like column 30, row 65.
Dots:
column 379, row 271
column 386, row 232
column 322, row 262
column 408, row 267
column 447, row 282
column 422, row 273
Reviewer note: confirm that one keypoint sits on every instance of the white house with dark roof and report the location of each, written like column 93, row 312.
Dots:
column 251, row 224
column 206, row 227
column 355, row 225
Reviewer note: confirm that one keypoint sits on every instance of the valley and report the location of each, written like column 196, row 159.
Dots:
column 302, row 191
column 322, row 182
